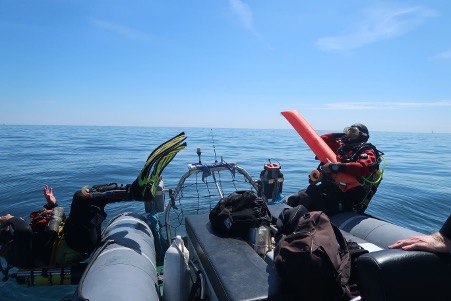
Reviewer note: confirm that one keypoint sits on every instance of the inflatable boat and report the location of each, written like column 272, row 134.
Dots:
column 202, row 265
column 124, row 265
column 199, row 264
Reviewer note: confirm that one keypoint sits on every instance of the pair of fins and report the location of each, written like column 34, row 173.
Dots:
column 146, row 184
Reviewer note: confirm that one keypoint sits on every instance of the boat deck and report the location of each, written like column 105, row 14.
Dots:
column 235, row 271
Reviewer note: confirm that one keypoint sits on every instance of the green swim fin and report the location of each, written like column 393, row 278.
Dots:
column 146, row 183
column 161, row 164
column 164, row 146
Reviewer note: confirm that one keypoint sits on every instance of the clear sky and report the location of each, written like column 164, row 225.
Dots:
column 226, row 63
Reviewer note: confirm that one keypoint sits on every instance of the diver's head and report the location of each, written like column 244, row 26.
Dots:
column 356, row 133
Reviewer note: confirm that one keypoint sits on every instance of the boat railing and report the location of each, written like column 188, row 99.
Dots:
column 223, row 176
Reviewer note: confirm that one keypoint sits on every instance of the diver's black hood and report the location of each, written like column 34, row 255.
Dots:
column 364, row 134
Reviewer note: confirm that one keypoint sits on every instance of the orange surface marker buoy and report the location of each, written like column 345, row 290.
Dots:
column 319, row 147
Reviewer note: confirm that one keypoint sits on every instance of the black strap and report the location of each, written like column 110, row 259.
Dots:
column 5, row 271
column 194, row 288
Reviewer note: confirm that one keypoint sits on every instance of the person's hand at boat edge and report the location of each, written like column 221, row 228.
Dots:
column 435, row 242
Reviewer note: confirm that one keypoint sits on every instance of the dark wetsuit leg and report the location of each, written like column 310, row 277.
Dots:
column 321, row 197
column 82, row 230
column 18, row 248
column 43, row 247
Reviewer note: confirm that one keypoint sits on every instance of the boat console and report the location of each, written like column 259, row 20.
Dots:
column 232, row 267
column 234, row 270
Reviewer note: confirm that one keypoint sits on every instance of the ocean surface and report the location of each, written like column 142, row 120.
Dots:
column 415, row 191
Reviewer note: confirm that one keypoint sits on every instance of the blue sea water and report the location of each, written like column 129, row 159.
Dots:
column 415, row 192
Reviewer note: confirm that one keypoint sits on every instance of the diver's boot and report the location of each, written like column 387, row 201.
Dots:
column 145, row 186
column 111, row 192
column 141, row 192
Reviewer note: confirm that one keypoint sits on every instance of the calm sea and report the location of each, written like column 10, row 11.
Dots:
column 415, row 191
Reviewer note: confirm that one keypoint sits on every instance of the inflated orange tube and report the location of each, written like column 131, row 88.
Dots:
column 319, row 147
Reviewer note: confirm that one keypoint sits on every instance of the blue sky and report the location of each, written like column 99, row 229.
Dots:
column 227, row 63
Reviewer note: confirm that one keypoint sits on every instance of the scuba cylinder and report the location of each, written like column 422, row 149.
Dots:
column 55, row 219
column 271, row 180
column 158, row 201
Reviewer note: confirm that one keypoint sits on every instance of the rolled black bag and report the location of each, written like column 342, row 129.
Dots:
column 236, row 213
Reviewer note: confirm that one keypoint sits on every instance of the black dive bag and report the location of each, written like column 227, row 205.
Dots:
column 236, row 213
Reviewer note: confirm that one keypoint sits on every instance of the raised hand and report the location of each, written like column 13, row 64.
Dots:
column 3, row 220
column 48, row 193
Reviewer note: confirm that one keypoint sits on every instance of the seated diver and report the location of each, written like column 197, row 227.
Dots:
column 356, row 157
column 61, row 241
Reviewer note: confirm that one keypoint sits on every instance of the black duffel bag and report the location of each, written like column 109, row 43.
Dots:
column 236, row 213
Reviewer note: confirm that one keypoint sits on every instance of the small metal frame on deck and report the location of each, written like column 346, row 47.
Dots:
column 207, row 170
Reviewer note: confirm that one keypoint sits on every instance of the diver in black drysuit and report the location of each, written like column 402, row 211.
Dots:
column 25, row 245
